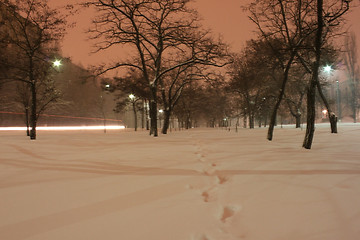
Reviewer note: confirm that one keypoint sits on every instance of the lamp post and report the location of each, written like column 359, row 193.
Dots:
column 338, row 99
column 328, row 69
column 160, row 116
column 133, row 100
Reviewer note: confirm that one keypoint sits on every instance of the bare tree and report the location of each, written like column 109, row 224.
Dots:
column 33, row 30
column 284, row 22
column 161, row 31
column 331, row 18
column 294, row 97
column 254, row 76
column 173, row 84
column 132, row 89
column 353, row 73
column 296, row 23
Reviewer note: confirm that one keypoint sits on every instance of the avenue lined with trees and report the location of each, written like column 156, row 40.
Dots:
column 177, row 70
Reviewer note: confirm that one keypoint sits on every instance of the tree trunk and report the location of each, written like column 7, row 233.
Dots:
column 280, row 97
column 333, row 122
column 332, row 116
column 153, row 113
column 33, row 117
column 27, row 121
column 237, row 124
column 273, row 120
column 298, row 120
column 251, row 121
column 135, row 115
column 147, row 115
column 143, row 115
column 166, row 125
column 310, row 127
column 354, row 101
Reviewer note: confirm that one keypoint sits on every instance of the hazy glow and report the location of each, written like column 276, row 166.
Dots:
column 131, row 96
column 64, row 128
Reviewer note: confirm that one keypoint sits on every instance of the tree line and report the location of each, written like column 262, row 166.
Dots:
column 181, row 68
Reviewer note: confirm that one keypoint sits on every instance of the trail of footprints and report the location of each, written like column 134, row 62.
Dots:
column 210, row 193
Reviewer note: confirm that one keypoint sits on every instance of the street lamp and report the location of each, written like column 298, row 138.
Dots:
column 327, row 69
column 160, row 116
column 133, row 101
column 57, row 63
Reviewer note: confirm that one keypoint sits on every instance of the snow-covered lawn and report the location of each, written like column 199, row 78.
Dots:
column 201, row 184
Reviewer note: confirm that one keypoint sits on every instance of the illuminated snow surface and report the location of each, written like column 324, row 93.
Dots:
column 201, row 184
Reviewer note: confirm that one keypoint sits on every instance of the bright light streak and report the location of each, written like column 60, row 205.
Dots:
column 64, row 128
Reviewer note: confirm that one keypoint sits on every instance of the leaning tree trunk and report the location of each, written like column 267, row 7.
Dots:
column 310, row 127
column 310, row 120
column 280, row 97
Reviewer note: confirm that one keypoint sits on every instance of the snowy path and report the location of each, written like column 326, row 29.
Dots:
column 201, row 184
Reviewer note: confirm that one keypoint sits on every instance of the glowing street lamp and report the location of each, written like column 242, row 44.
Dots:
column 160, row 116
column 327, row 69
column 133, row 101
column 324, row 113
column 57, row 63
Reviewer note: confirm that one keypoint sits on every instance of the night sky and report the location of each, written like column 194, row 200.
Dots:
column 224, row 17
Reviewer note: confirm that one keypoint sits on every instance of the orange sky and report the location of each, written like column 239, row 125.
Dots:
column 224, row 17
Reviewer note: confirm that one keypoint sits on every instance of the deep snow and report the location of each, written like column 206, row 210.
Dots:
column 200, row 184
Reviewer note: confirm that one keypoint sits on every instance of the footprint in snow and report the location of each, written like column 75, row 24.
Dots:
column 210, row 194
column 228, row 212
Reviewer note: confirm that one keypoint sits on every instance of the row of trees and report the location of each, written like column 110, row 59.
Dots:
column 172, row 52
column 174, row 65
column 170, row 48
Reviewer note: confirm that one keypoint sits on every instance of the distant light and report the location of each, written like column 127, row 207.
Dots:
column 107, row 85
column 324, row 111
column 161, row 111
column 327, row 69
column 57, row 63
column 132, row 96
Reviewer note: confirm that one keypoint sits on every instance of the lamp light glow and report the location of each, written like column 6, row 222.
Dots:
column 327, row 69
column 57, row 63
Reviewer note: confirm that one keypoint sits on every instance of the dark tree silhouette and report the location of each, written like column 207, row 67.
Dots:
column 33, row 31
column 165, row 35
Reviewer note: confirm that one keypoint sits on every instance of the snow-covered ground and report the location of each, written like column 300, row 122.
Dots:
column 201, row 184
